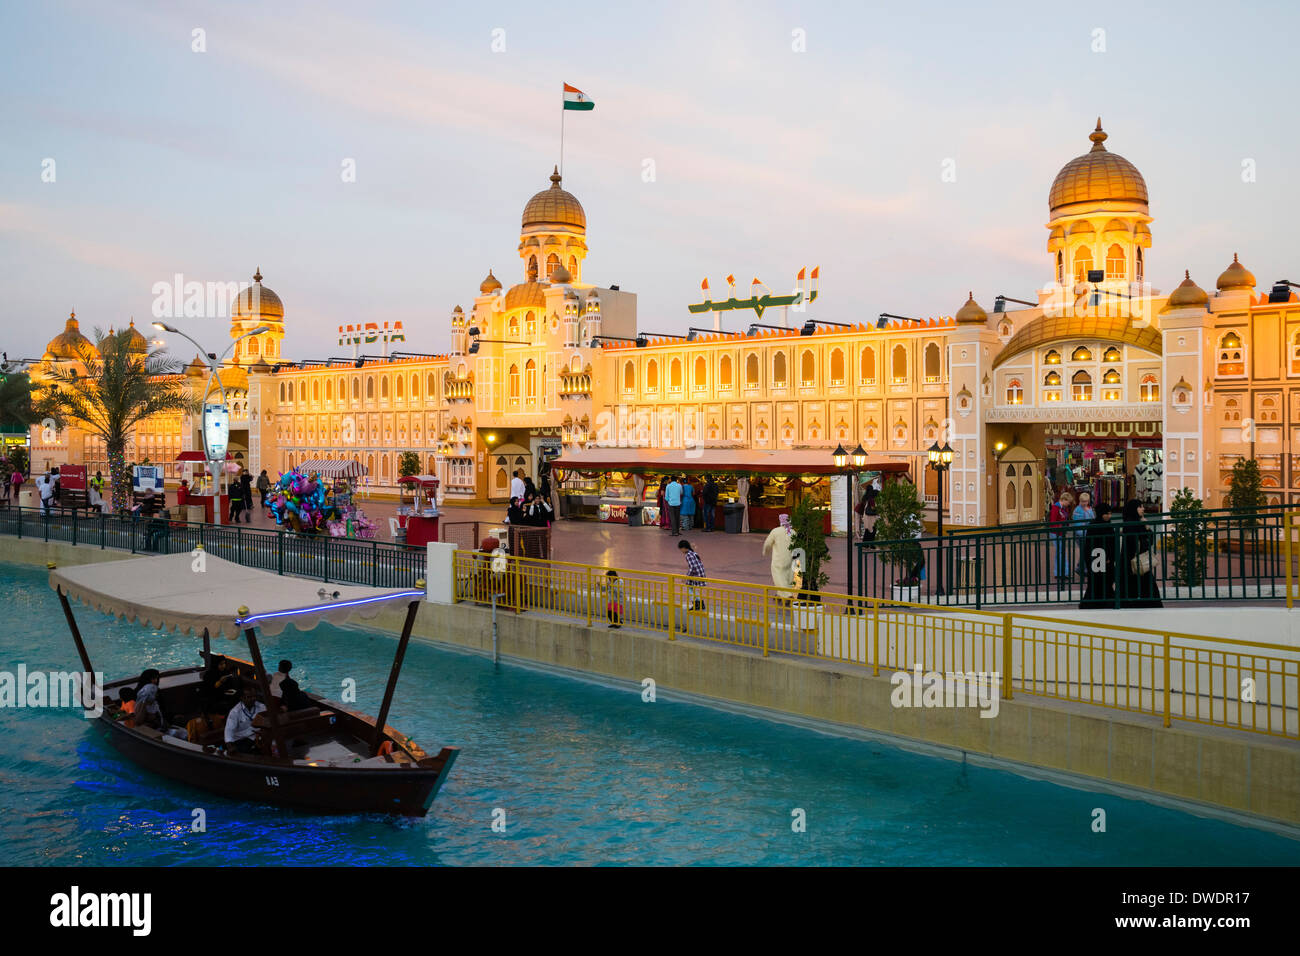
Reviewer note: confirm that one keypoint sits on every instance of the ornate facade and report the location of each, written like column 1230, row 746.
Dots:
column 1103, row 376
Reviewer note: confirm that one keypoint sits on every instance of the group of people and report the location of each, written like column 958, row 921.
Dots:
column 1114, row 561
column 530, row 506
column 681, row 498
column 228, row 703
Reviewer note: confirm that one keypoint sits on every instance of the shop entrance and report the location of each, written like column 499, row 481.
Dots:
column 506, row 460
column 1112, row 470
column 1020, row 477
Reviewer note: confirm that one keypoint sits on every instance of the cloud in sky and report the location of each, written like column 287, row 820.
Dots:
column 765, row 159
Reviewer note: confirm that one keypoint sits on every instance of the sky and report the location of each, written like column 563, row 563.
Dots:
column 749, row 138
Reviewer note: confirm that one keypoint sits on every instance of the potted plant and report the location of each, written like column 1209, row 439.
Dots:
column 408, row 464
column 1191, row 544
column 898, row 526
column 1246, row 499
column 809, row 546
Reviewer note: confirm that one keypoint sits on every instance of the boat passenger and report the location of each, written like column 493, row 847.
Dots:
column 278, row 678
column 148, row 712
column 220, row 688
column 126, row 712
column 240, row 733
column 292, row 697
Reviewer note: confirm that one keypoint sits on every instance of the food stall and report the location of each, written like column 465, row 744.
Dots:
column 604, row 482
column 418, row 509
column 198, row 504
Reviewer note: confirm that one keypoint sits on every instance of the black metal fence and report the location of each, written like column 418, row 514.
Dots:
column 331, row 560
column 1219, row 556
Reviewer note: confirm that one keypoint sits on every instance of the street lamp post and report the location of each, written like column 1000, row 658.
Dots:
column 214, row 365
column 940, row 461
column 841, row 459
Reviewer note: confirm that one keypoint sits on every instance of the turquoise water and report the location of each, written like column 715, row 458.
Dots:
column 586, row 774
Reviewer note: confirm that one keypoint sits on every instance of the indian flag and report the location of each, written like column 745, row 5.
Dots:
column 575, row 99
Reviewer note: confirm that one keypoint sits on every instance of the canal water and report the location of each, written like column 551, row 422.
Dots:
column 579, row 772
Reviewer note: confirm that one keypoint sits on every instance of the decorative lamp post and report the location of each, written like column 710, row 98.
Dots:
column 214, row 365
column 842, row 458
column 940, row 461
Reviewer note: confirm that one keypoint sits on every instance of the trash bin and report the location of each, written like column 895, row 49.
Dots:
column 732, row 515
column 634, row 516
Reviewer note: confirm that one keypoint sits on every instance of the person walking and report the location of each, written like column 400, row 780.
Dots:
column 16, row 484
column 263, row 487
column 1138, row 560
column 1057, row 519
column 694, row 575
column 236, row 503
column 661, row 501
column 246, row 493
column 96, row 496
column 45, row 487
column 1083, row 513
column 517, row 487
column 688, row 506
column 1100, row 549
column 673, row 499
column 709, row 498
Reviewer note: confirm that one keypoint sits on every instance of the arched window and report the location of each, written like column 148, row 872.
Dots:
column 932, row 363
column 899, row 365
column 1082, row 263
column 530, row 325
column 778, row 370
column 399, row 388
column 1139, row 265
column 1060, row 269
column 1112, row 354
column 724, row 372
column 808, row 368
column 432, row 388
column 1052, row 386
column 552, row 262
column 530, row 381
column 1015, row 392
column 675, row 375
column 837, row 366
column 573, row 267
column 1149, row 388
column 1110, row 381
column 1081, row 386
column 701, row 373
column 329, row 390
column 370, row 387
column 356, row 388
column 751, row 371
column 532, row 268
column 415, row 386
column 1231, row 355
column 513, row 379
column 652, row 376
column 1052, row 357
column 282, row 393
column 1116, row 262
column 867, row 373
column 513, row 327
column 253, row 347
column 629, row 377
column 383, row 387
column 1081, row 354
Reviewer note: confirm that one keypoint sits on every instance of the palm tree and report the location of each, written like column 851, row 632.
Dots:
column 118, row 389
column 15, row 401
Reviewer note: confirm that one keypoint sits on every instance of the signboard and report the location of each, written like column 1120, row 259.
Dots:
column 72, row 477
column 370, row 332
column 145, row 477
column 839, row 502
column 216, row 431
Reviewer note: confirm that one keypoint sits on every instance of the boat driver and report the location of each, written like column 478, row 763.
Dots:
column 240, row 733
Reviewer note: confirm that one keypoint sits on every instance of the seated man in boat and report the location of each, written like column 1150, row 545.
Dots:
column 147, row 711
column 241, row 735
column 220, row 688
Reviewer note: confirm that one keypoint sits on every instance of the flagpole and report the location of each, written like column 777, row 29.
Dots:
column 562, row 112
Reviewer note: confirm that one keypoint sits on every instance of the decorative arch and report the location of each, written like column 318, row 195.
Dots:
column 1232, row 354
column 724, row 372
column 837, row 366
column 751, row 370
column 808, row 368
column 701, row 379
column 652, row 376
column 778, row 370
column 867, row 366
column 932, row 363
column 629, row 376
column 898, row 364
column 675, row 375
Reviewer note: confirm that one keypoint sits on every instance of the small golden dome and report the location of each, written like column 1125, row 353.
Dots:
column 197, row 367
column 1236, row 276
column 490, row 284
column 971, row 311
column 560, row 275
column 70, row 343
column 1056, row 239
column 137, row 343
column 1096, row 176
column 257, row 301
column 555, row 207
column 525, row 294
column 1187, row 294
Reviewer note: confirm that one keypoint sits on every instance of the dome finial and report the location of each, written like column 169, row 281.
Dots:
column 1234, row 257
column 555, row 177
column 1187, row 273
column 1098, row 137
column 257, row 276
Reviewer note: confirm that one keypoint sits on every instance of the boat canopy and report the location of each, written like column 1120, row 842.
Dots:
column 182, row 592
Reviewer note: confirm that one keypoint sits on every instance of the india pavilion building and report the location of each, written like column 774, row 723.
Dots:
column 1096, row 380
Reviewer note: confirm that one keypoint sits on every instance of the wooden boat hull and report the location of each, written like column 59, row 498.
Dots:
column 405, row 790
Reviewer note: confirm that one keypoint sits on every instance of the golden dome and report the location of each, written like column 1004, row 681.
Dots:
column 555, row 207
column 525, row 294
column 70, row 343
column 1096, row 176
column 197, row 367
column 137, row 342
column 1236, row 276
column 1187, row 294
column 490, row 284
column 561, row 275
column 257, row 301
column 971, row 311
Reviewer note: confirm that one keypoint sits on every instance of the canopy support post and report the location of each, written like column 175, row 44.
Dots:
column 392, row 677
column 273, row 715
column 76, row 632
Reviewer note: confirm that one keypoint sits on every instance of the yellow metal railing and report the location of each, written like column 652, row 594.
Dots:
column 1242, row 685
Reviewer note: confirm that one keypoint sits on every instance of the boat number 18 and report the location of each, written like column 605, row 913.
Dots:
column 273, row 781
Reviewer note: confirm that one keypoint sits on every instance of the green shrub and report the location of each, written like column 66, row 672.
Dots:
column 899, row 511
column 1246, row 493
column 810, row 535
column 1191, row 542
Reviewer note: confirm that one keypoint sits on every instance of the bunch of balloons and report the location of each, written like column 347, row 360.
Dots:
column 300, row 501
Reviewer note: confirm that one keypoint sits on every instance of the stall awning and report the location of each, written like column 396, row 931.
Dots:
column 332, row 468
column 174, row 592
column 721, row 461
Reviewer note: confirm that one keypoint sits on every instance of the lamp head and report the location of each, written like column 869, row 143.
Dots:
column 933, row 453
column 945, row 454
column 163, row 327
column 840, row 456
column 859, row 456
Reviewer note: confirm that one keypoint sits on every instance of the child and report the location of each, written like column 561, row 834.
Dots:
column 126, row 712
column 613, row 598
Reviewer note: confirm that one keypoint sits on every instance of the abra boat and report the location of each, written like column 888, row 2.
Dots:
column 324, row 757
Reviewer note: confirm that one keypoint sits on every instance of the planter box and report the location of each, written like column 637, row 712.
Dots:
column 807, row 616
column 909, row 593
